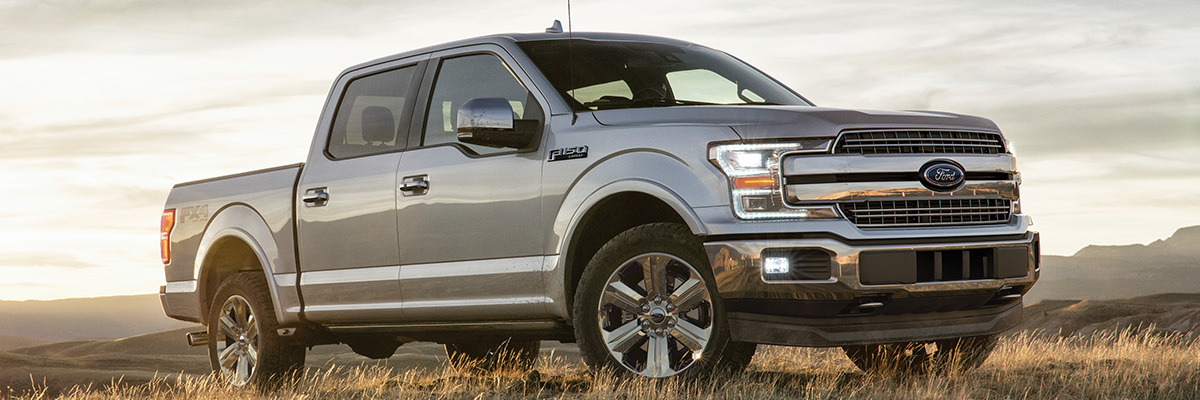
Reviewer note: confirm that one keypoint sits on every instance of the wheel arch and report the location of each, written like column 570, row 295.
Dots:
column 610, row 210
column 237, row 239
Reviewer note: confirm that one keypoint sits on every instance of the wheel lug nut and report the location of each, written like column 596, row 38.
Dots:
column 671, row 322
column 645, row 308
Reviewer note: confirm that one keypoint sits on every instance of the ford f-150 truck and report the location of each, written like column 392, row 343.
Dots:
column 665, row 205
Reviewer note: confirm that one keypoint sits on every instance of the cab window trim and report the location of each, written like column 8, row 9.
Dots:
column 425, row 102
column 414, row 88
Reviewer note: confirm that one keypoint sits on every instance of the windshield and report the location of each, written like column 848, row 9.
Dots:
column 614, row 75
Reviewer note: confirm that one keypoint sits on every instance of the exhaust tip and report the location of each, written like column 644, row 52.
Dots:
column 197, row 338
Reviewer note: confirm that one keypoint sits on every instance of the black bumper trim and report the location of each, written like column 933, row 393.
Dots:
column 849, row 308
column 879, row 329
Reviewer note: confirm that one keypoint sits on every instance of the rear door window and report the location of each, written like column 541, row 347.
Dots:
column 374, row 114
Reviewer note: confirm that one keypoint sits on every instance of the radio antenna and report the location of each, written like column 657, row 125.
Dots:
column 571, row 62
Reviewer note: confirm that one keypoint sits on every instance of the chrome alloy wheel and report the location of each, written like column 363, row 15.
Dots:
column 656, row 315
column 237, row 341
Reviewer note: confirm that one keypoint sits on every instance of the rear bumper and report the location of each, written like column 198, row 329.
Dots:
column 876, row 291
column 180, row 300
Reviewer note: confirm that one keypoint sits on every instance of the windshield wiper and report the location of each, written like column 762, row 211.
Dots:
column 756, row 103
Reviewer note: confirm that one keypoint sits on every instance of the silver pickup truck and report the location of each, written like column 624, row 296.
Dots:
column 665, row 205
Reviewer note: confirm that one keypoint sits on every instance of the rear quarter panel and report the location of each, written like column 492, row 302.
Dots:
column 255, row 207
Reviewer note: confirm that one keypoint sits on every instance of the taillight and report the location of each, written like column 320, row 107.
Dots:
column 168, row 223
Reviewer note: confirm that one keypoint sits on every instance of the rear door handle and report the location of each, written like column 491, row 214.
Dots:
column 315, row 197
column 415, row 185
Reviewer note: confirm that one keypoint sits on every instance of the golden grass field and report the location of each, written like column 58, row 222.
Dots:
column 1130, row 364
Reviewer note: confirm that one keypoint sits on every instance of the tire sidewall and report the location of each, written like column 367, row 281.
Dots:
column 271, row 360
column 672, row 239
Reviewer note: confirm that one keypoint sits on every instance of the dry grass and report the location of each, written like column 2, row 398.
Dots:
column 1120, row 365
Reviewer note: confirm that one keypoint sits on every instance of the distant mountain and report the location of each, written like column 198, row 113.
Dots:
column 71, row 319
column 1115, row 272
column 11, row 342
column 1168, row 312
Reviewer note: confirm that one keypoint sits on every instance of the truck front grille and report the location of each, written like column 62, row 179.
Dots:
column 910, row 213
column 919, row 142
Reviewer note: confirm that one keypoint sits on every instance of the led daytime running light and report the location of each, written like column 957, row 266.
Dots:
column 754, row 177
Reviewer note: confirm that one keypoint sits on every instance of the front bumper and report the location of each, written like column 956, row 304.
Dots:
column 843, row 310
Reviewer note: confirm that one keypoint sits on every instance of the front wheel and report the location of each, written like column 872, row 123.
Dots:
column 645, row 306
column 243, row 345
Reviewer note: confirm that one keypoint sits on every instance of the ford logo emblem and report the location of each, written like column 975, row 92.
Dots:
column 942, row 176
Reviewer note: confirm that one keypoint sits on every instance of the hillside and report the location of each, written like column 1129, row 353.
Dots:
column 139, row 359
column 99, row 317
column 1166, row 313
column 1114, row 272
column 13, row 342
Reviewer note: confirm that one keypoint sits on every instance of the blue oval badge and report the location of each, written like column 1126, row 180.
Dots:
column 942, row 176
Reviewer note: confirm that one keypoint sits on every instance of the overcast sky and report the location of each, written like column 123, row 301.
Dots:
column 106, row 104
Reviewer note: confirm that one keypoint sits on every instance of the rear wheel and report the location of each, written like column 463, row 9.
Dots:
column 491, row 355
column 243, row 345
column 962, row 354
column 645, row 306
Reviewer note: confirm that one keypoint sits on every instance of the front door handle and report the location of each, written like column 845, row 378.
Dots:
column 315, row 197
column 415, row 185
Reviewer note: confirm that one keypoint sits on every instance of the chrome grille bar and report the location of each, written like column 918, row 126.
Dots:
column 910, row 213
column 919, row 142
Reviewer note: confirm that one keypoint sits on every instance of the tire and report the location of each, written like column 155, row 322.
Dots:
column 672, row 324
column 243, row 346
column 960, row 354
column 492, row 355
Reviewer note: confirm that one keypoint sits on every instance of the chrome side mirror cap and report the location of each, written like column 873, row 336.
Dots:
column 484, row 114
column 488, row 121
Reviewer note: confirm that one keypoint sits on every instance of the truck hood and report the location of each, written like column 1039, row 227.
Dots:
column 765, row 122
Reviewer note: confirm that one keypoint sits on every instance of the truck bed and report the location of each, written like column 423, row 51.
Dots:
column 268, row 193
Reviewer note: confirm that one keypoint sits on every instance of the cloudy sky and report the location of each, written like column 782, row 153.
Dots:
column 105, row 104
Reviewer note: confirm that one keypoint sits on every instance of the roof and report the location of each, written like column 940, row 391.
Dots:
column 501, row 39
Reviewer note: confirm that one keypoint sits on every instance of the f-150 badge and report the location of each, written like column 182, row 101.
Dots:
column 942, row 176
column 568, row 153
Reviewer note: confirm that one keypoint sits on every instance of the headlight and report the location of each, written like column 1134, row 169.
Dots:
column 755, row 181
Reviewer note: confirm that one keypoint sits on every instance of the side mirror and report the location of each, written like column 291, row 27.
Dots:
column 488, row 121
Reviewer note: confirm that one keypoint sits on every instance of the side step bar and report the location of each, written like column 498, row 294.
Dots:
column 201, row 338
column 197, row 338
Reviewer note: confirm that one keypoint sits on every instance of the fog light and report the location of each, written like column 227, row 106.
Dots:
column 775, row 265
column 783, row 265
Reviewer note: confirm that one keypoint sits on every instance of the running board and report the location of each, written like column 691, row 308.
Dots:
column 453, row 326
